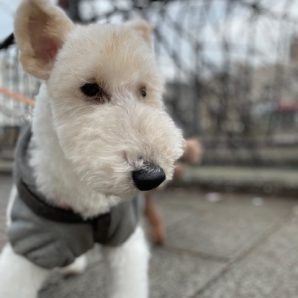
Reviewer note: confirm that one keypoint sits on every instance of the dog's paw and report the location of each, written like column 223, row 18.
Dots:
column 77, row 267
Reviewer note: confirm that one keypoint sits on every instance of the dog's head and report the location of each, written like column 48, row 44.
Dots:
column 105, row 96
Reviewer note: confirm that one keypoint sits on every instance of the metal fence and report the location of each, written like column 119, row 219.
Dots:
column 230, row 65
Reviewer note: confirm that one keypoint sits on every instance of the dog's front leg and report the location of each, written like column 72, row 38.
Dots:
column 129, row 267
column 19, row 278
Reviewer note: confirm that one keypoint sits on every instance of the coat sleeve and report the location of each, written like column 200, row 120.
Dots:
column 46, row 243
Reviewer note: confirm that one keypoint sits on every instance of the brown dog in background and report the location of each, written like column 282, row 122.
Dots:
column 192, row 155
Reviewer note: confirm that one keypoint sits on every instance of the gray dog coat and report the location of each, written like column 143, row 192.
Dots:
column 54, row 237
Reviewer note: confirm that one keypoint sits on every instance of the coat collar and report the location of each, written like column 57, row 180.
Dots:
column 29, row 194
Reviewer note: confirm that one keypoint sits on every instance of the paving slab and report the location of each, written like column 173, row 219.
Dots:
column 269, row 271
column 87, row 285
column 224, row 229
column 180, row 275
column 168, row 272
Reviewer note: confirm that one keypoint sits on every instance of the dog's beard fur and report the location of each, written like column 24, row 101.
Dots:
column 105, row 144
column 95, row 145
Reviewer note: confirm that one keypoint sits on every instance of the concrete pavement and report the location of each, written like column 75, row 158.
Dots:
column 218, row 246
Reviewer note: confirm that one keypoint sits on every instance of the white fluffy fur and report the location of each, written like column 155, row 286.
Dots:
column 83, row 151
column 19, row 278
column 128, row 266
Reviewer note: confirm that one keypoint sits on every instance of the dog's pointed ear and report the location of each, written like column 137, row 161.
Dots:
column 40, row 31
column 143, row 28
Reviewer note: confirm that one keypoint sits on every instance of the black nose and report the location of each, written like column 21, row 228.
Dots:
column 148, row 177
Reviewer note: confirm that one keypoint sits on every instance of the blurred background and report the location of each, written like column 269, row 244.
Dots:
column 231, row 69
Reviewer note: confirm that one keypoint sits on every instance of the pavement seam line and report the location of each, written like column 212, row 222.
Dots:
column 263, row 238
column 199, row 254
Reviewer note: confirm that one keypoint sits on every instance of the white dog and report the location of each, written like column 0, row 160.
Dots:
column 100, row 134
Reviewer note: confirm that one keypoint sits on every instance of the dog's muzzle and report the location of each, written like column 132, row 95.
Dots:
column 148, row 177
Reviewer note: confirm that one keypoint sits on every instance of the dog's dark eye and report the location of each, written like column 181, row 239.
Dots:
column 143, row 91
column 92, row 89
